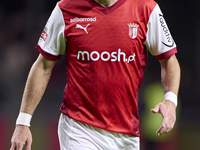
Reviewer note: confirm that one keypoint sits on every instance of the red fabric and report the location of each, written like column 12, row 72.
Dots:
column 106, row 59
column 104, row 9
column 47, row 55
column 166, row 54
column 102, row 84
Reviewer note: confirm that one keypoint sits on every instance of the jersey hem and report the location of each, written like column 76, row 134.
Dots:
column 166, row 54
column 47, row 55
column 127, row 133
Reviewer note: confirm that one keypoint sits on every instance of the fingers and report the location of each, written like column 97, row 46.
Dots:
column 28, row 145
column 156, row 109
column 167, row 125
column 16, row 146
column 163, row 130
column 12, row 147
column 19, row 147
column 168, row 111
column 21, row 137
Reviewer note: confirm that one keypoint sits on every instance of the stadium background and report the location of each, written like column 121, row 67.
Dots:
column 21, row 23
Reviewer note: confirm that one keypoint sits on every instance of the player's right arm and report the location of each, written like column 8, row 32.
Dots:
column 51, row 45
column 36, row 84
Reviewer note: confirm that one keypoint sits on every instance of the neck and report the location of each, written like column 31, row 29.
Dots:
column 106, row 3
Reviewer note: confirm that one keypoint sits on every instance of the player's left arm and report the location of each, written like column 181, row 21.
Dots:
column 170, row 74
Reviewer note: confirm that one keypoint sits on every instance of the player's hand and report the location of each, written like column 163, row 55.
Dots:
column 168, row 110
column 21, row 137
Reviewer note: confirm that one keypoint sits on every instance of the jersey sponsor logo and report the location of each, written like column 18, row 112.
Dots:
column 76, row 19
column 44, row 35
column 105, row 56
column 133, row 30
column 169, row 40
column 81, row 27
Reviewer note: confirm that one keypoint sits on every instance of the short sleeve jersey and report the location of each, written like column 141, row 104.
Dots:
column 106, row 54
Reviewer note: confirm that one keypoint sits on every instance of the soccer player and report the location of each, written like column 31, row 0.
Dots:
column 106, row 44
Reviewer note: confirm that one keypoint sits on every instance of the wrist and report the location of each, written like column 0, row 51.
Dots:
column 171, row 97
column 23, row 119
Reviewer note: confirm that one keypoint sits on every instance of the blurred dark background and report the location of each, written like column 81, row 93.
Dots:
column 21, row 23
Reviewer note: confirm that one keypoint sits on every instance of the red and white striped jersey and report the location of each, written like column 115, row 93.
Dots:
column 106, row 55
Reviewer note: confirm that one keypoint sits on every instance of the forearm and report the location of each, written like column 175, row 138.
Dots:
column 170, row 74
column 37, row 81
column 36, row 84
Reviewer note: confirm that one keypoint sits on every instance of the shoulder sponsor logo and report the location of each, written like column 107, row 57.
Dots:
column 115, row 56
column 169, row 40
column 76, row 19
column 133, row 30
column 44, row 34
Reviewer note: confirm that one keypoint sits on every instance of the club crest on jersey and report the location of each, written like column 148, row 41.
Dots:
column 133, row 30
